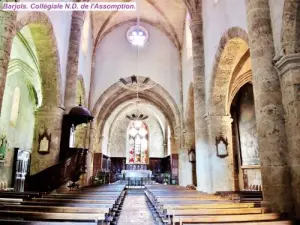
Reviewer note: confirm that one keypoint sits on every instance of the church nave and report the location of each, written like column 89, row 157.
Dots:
column 149, row 112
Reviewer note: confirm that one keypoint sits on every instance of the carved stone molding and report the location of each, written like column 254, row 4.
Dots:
column 288, row 62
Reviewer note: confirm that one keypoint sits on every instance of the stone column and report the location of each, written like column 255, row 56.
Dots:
column 47, row 120
column 268, row 107
column 288, row 68
column 73, row 55
column 202, row 152
column 186, row 167
column 7, row 33
column 95, row 142
column 223, row 168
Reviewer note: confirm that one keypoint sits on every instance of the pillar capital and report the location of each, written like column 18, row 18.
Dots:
column 287, row 63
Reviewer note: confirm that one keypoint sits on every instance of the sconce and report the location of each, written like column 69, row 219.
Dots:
column 222, row 146
column 192, row 155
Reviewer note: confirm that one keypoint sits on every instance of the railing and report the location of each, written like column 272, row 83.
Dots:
column 55, row 176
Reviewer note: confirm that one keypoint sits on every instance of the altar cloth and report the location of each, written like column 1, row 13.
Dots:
column 137, row 173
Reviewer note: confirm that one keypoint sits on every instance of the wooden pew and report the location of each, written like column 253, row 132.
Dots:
column 60, row 209
column 72, row 206
column 68, row 204
column 273, row 222
column 73, row 200
column 209, row 206
column 24, row 222
column 93, row 217
column 225, row 218
column 171, row 213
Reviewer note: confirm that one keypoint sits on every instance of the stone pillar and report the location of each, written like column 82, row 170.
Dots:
column 186, row 167
column 288, row 68
column 73, row 56
column 223, row 169
column 202, row 151
column 7, row 33
column 95, row 143
column 47, row 120
column 180, row 78
column 268, row 108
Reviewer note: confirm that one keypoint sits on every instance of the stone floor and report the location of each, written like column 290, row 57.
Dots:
column 135, row 210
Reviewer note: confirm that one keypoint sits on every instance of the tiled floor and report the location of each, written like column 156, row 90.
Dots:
column 135, row 210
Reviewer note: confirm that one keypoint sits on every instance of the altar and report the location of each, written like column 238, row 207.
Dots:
column 137, row 173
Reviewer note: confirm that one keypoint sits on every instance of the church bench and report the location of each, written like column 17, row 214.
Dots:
column 61, row 209
column 225, row 218
column 24, row 222
column 171, row 213
column 68, row 204
column 273, row 222
column 182, row 198
column 209, row 206
column 10, row 200
column 83, row 194
column 238, row 211
column 81, row 197
column 73, row 200
column 184, row 202
column 15, row 193
column 94, row 217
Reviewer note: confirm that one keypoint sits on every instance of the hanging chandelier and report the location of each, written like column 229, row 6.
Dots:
column 137, row 115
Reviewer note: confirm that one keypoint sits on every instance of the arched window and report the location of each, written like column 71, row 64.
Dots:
column 15, row 107
column 138, row 142
column 137, row 36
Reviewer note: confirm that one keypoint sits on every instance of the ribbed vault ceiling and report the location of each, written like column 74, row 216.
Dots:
column 166, row 15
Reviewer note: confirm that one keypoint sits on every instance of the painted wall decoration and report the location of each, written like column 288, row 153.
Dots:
column 247, row 127
column 138, row 142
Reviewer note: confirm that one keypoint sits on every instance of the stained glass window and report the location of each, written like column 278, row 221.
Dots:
column 138, row 142
column 137, row 36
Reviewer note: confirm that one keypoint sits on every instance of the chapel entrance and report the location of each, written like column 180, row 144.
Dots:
column 245, row 140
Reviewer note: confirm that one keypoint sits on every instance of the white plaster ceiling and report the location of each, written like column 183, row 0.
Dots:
column 166, row 15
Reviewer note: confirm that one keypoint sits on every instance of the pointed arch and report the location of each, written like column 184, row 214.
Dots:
column 47, row 52
column 232, row 47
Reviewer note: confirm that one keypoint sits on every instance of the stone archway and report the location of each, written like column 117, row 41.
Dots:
column 47, row 53
column 157, row 96
column 233, row 49
column 118, row 94
column 48, row 117
column 291, row 27
column 233, row 45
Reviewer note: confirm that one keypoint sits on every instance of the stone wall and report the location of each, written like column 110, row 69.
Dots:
column 21, row 135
